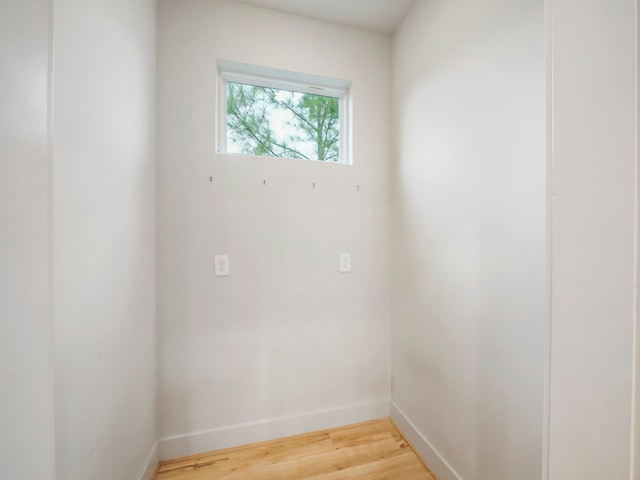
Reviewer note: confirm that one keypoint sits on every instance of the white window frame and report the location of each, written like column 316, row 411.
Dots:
column 283, row 80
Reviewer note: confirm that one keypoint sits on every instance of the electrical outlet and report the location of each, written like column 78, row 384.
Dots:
column 222, row 265
column 345, row 262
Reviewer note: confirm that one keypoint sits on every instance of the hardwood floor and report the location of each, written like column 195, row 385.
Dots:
column 366, row 451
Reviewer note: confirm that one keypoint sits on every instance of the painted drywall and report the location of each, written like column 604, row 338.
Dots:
column 285, row 335
column 469, row 264
column 26, row 344
column 636, row 398
column 593, row 51
column 377, row 15
column 104, row 238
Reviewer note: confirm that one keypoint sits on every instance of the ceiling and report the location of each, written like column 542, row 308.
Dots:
column 378, row 15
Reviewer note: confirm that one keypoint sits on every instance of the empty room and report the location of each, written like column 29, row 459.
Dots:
column 319, row 240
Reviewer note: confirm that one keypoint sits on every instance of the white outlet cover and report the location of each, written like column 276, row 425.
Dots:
column 345, row 262
column 221, row 265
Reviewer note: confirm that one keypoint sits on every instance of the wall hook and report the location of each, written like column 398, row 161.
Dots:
column 264, row 182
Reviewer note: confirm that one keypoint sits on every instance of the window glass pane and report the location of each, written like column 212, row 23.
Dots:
column 282, row 123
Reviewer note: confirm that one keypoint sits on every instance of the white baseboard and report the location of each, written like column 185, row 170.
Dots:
column 151, row 464
column 246, row 433
column 437, row 463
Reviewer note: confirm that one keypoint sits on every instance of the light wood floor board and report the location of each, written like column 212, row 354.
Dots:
column 367, row 451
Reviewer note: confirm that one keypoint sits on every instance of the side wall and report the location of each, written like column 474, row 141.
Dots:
column 593, row 47
column 636, row 393
column 104, row 238
column 285, row 343
column 26, row 345
column 469, row 298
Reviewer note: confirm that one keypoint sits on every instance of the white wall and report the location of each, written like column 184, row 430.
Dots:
column 286, row 334
column 469, row 306
column 26, row 346
column 636, row 399
column 104, row 238
column 593, row 47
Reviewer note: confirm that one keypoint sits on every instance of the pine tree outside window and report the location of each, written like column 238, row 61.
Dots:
column 282, row 114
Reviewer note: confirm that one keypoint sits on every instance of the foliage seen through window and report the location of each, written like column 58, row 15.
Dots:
column 281, row 123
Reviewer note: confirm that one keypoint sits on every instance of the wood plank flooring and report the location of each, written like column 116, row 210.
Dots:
column 367, row 451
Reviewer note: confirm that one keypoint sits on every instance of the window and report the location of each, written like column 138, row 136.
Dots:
column 273, row 113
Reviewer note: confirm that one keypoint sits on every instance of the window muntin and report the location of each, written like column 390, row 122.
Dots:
column 266, row 112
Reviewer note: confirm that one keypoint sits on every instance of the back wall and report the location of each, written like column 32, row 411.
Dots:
column 286, row 343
